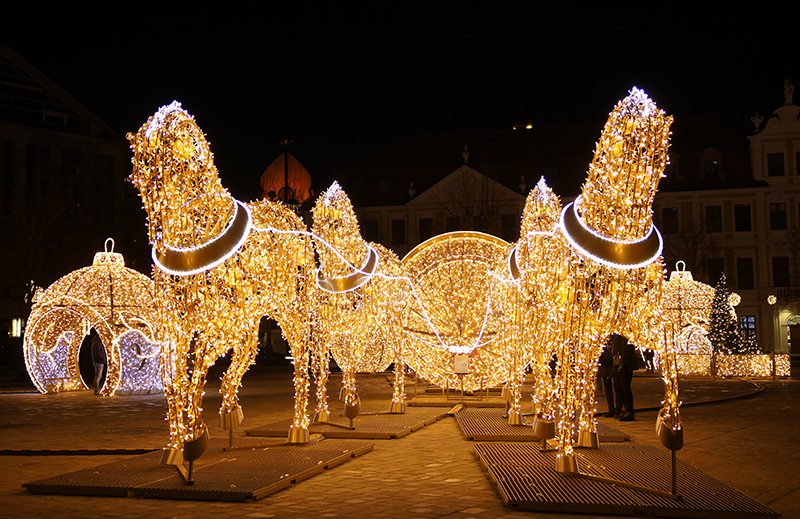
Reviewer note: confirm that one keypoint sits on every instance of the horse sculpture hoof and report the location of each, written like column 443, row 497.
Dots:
column 231, row 419
column 298, row 435
column 670, row 438
column 588, row 439
column 544, row 429
column 351, row 411
column 567, row 465
column 195, row 448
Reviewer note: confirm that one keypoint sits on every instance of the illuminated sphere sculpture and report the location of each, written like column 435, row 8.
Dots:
column 114, row 300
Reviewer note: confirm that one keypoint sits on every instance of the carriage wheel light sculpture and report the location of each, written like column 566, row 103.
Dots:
column 116, row 301
column 456, row 309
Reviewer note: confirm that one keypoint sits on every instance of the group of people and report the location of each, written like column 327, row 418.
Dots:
column 618, row 361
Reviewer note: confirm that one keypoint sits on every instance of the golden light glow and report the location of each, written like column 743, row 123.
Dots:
column 358, row 317
column 687, row 311
column 505, row 305
column 597, row 290
column 226, row 276
column 458, row 308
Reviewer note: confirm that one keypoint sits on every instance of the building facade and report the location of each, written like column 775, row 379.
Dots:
column 730, row 201
column 62, row 191
column 750, row 230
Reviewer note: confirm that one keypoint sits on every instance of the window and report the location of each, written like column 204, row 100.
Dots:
column 398, row 232
column 775, row 165
column 711, row 169
column 715, row 269
column 453, row 223
column 480, row 223
column 669, row 220
column 385, row 187
column 747, row 326
column 372, row 231
column 741, row 217
column 713, row 218
column 360, row 190
column 425, row 229
column 744, row 273
column 54, row 118
column 777, row 216
column 30, row 164
column 780, row 271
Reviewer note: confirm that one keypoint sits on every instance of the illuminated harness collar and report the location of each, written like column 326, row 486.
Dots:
column 624, row 255
column 354, row 280
column 194, row 260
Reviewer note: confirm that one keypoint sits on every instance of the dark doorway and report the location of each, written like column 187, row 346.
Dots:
column 85, row 364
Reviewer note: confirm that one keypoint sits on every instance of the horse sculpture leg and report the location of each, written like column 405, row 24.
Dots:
column 230, row 413
column 399, row 392
column 321, row 370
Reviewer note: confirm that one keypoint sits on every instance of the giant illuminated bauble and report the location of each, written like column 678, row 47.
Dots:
column 114, row 300
column 452, row 312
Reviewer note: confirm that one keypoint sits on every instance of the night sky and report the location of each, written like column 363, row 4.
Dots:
column 343, row 82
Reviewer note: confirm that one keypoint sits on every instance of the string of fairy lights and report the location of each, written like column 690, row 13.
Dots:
column 447, row 277
column 546, row 303
column 687, row 308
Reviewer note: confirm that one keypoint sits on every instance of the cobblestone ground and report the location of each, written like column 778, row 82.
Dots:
column 748, row 443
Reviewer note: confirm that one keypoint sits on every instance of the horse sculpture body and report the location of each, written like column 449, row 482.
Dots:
column 602, row 274
column 359, row 282
column 220, row 266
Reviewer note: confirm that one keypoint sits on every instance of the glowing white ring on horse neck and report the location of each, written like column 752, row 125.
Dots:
column 582, row 250
column 176, row 251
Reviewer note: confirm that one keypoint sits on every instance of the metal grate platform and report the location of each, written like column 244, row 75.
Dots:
column 367, row 426
column 527, row 479
column 253, row 470
column 489, row 425
column 437, row 400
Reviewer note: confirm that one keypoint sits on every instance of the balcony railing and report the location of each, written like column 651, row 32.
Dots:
column 788, row 292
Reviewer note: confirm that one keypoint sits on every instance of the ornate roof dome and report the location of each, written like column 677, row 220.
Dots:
column 274, row 180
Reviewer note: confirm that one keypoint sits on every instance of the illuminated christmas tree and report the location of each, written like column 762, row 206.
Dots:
column 724, row 330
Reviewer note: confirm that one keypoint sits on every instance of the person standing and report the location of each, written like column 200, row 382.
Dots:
column 605, row 373
column 625, row 362
column 98, row 359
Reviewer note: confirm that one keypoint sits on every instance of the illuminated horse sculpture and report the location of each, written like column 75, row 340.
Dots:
column 603, row 264
column 536, row 248
column 359, row 286
column 220, row 266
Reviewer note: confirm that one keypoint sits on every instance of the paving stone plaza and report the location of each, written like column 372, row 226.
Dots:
column 742, row 433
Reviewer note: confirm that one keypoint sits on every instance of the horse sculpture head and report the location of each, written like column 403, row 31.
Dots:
column 612, row 220
column 341, row 246
column 180, row 188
